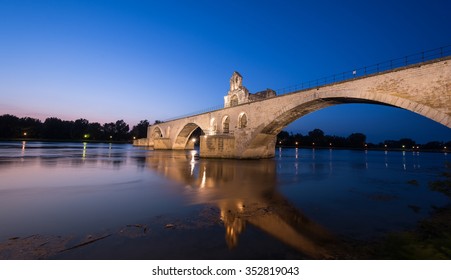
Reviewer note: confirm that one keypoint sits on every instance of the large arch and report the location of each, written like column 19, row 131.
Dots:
column 303, row 109
column 266, row 136
column 183, row 136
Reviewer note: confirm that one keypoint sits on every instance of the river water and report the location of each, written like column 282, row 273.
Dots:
column 116, row 201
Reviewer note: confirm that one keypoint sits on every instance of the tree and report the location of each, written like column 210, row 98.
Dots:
column 116, row 131
column 30, row 128
column 140, row 130
column 407, row 143
column 283, row 137
column 109, row 129
column 8, row 126
column 95, row 131
column 122, row 130
column 317, row 136
column 356, row 140
column 434, row 145
column 80, row 129
column 54, row 128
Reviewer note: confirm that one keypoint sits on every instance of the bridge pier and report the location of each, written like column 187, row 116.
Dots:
column 259, row 146
column 162, row 144
column 217, row 146
column 237, row 147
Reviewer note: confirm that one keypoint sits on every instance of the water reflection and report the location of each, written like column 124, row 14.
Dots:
column 246, row 193
column 53, row 154
column 80, row 187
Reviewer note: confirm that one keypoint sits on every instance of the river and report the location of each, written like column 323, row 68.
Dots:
column 116, row 201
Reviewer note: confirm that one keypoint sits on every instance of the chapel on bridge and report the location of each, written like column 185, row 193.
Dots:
column 239, row 94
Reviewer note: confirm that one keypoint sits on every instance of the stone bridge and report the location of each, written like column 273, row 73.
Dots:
column 247, row 126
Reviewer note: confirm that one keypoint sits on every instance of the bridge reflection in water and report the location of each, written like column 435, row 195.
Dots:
column 245, row 192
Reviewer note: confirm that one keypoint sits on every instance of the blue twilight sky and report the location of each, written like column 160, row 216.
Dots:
column 134, row 60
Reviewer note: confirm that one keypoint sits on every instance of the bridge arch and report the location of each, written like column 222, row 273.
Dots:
column 242, row 120
column 213, row 126
column 226, row 124
column 265, row 138
column 156, row 132
column 302, row 108
column 183, row 136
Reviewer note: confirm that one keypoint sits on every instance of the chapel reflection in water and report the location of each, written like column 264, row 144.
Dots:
column 245, row 192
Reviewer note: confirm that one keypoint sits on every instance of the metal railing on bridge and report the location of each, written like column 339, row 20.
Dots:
column 361, row 72
column 388, row 65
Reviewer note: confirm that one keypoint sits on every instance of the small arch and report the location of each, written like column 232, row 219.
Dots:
column 242, row 120
column 156, row 133
column 234, row 100
column 213, row 126
column 226, row 125
column 187, row 136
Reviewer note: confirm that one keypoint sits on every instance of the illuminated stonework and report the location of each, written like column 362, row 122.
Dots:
column 248, row 125
column 238, row 94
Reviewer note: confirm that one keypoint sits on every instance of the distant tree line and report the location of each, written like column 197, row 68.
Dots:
column 12, row 127
column 317, row 138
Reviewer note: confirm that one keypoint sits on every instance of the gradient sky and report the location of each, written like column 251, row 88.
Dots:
column 134, row 60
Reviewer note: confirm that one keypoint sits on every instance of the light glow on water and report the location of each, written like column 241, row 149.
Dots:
column 75, row 189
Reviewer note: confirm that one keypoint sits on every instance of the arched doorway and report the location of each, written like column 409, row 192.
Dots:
column 242, row 120
column 234, row 100
column 225, row 125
